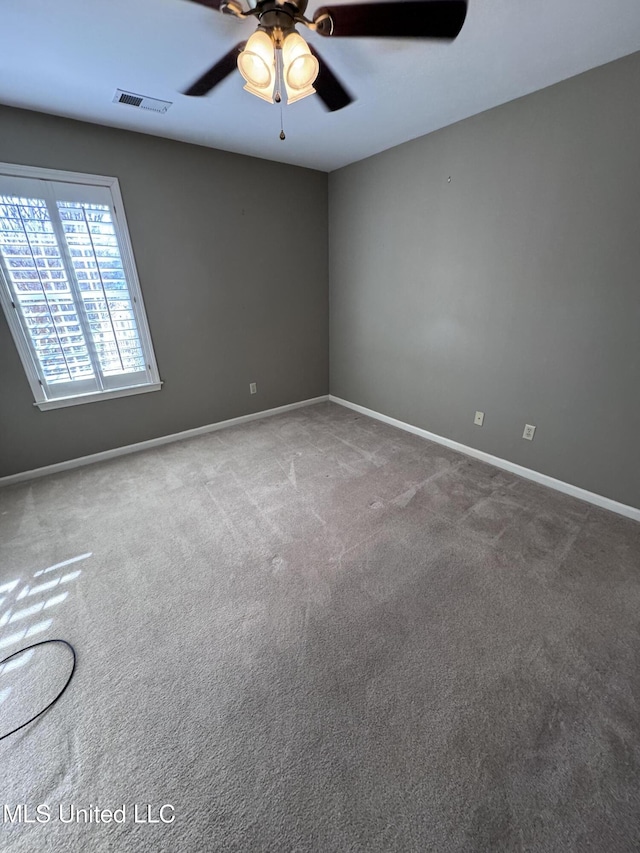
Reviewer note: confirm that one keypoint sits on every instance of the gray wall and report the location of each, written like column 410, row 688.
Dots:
column 230, row 298
column 514, row 289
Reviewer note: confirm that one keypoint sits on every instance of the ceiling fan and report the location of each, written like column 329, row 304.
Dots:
column 276, row 53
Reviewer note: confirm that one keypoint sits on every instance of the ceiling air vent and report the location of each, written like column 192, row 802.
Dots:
column 140, row 101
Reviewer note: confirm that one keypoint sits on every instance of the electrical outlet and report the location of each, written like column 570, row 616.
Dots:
column 253, row 388
column 529, row 431
column 479, row 419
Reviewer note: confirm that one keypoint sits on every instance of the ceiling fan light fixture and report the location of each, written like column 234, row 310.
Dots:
column 300, row 68
column 256, row 63
column 264, row 67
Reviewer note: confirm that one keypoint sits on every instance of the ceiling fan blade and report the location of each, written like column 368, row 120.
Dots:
column 217, row 72
column 433, row 19
column 328, row 88
column 212, row 4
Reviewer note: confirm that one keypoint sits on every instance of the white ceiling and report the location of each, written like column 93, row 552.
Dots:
column 67, row 57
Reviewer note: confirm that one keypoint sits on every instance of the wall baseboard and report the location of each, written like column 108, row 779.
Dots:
column 153, row 442
column 504, row 464
column 527, row 473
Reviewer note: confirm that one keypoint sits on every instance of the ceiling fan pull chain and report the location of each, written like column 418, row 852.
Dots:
column 278, row 96
column 282, row 136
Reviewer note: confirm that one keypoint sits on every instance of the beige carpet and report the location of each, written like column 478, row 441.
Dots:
column 318, row 633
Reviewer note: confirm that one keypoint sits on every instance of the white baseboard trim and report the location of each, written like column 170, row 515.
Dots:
column 153, row 442
column 527, row 473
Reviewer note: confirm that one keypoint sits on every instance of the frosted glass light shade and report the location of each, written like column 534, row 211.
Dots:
column 300, row 68
column 257, row 66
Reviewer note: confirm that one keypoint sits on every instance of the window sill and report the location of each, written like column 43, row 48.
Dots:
column 94, row 397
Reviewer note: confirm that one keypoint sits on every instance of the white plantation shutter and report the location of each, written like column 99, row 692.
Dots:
column 71, row 292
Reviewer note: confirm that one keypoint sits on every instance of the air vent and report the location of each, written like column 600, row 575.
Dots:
column 140, row 101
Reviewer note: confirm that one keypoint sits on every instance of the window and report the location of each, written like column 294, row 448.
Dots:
column 69, row 287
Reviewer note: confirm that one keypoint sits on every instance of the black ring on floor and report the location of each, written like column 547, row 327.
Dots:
column 55, row 699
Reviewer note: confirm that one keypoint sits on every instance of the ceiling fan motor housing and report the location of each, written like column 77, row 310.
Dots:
column 278, row 20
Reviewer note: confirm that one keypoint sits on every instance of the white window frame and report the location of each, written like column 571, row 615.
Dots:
column 128, row 263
